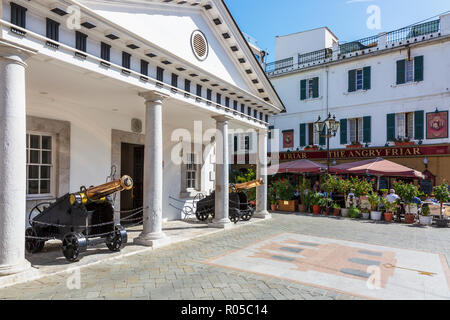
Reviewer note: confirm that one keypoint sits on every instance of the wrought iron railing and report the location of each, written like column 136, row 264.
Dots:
column 414, row 31
column 280, row 64
column 315, row 56
column 366, row 43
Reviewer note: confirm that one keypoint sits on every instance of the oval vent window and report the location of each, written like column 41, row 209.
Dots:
column 199, row 45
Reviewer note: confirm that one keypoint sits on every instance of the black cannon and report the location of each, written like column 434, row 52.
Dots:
column 77, row 218
column 239, row 205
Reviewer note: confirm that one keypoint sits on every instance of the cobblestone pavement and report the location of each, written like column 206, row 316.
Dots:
column 179, row 271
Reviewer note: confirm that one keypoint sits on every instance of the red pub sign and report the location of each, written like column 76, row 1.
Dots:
column 385, row 152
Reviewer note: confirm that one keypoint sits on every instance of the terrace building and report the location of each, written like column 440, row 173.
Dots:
column 390, row 93
column 86, row 86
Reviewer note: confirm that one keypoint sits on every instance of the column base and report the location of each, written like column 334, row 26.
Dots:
column 263, row 215
column 6, row 270
column 154, row 240
column 221, row 224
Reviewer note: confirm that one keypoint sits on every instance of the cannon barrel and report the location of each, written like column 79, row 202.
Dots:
column 249, row 185
column 100, row 192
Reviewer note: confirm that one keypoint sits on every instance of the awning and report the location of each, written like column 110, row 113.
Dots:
column 377, row 167
column 297, row 166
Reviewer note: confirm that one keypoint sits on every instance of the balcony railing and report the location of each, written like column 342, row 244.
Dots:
column 414, row 31
column 366, row 43
column 280, row 64
column 315, row 56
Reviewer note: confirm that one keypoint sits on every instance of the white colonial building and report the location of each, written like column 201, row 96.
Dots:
column 87, row 85
column 389, row 89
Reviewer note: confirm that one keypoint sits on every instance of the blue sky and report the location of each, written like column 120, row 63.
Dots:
column 347, row 19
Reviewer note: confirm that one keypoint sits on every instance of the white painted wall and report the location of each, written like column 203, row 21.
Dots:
column 384, row 96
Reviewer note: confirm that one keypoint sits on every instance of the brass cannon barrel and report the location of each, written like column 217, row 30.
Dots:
column 100, row 192
column 249, row 185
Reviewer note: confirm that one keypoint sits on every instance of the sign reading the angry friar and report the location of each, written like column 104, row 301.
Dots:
column 437, row 125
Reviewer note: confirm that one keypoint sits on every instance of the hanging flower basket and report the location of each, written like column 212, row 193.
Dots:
column 404, row 143
column 311, row 148
column 354, row 146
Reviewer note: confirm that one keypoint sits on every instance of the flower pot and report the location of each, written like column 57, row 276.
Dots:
column 442, row 223
column 301, row 208
column 336, row 211
column 426, row 220
column 354, row 146
column 344, row 212
column 388, row 216
column 405, row 143
column 273, row 207
column 289, row 206
column 366, row 215
column 375, row 215
column 410, row 218
column 316, row 209
column 326, row 211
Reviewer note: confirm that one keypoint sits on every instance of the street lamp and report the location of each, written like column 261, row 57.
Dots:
column 332, row 127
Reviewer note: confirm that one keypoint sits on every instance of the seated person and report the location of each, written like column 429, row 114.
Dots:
column 352, row 200
column 392, row 196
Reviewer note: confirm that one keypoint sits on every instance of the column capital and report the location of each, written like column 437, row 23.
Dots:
column 14, row 52
column 222, row 118
column 153, row 96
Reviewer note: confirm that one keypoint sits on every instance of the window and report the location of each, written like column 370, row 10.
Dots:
column 227, row 102
column 249, row 111
column 255, row 114
column 235, row 105
column 219, row 98
column 144, row 67
column 359, row 79
column 52, row 29
column 187, row 85
column 126, row 60
column 199, row 90
column 309, row 89
column 18, row 15
column 160, row 74
column 105, row 53
column 235, row 144
column 191, row 172
column 355, row 130
column 80, row 41
column 174, row 80
column 242, row 108
column 267, row 118
column 209, row 94
column 405, row 125
column 40, row 177
column 410, row 70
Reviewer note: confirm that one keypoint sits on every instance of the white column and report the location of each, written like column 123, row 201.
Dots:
column 13, row 158
column 222, row 196
column 261, row 172
column 445, row 24
column 152, row 235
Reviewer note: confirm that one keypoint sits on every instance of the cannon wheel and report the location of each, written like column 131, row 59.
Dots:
column 33, row 245
column 38, row 209
column 202, row 214
column 234, row 215
column 73, row 245
column 116, row 240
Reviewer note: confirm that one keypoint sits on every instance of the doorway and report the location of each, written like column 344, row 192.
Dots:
column 132, row 164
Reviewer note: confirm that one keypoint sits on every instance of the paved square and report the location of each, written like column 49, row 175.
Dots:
column 368, row 271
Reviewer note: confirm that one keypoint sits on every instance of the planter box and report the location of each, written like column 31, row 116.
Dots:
column 426, row 221
column 344, row 212
column 409, row 143
column 301, row 208
column 312, row 149
column 354, row 146
column 366, row 215
column 289, row 206
column 375, row 215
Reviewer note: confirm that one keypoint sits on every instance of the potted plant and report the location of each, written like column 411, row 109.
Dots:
column 425, row 218
column 315, row 202
column 354, row 145
column 336, row 209
column 309, row 195
column 403, row 142
column 375, row 201
column 329, row 184
column 303, row 188
column 407, row 191
column 343, row 187
column 390, row 208
column 325, row 205
column 272, row 195
column 354, row 212
column 311, row 148
column 442, row 195
column 285, row 193
column 365, row 212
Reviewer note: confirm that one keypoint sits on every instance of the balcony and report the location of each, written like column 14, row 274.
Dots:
column 410, row 34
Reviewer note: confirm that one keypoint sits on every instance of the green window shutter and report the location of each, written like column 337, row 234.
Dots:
column 367, row 78
column 303, row 90
column 401, row 69
column 367, row 129
column 352, row 81
column 316, row 87
column 343, row 127
column 391, row 127
column 302, row 134
column 418, row 69
column 419, row 125
column 322, row 139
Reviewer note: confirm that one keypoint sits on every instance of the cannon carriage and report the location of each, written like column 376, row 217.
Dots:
column 76, row 219
column 240, row 207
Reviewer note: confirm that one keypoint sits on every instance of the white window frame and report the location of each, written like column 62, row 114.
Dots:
column 402, row 125
column 409, row 70
column 53, row 178
column 359, row 73
column 358, row 136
